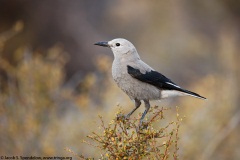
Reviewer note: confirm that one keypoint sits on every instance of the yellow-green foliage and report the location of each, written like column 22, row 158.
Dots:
column 122, row 139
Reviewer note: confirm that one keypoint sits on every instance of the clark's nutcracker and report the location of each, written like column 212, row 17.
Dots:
column 137, row 79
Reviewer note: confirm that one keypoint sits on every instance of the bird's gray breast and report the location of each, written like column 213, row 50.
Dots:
column 134, row 88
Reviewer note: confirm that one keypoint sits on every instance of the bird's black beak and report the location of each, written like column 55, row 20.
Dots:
column 104, row 44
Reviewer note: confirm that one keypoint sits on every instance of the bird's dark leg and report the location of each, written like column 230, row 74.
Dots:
column 147, row 106
column 137, row 105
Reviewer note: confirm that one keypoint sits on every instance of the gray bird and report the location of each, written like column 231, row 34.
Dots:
column 137, row 79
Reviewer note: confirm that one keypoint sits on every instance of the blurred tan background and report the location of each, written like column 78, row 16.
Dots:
column 54, row 82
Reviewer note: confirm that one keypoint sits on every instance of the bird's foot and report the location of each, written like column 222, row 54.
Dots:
column 142, row 125
column 123, row 117
column 120, row 117
column 123, row 121
column 127, row 117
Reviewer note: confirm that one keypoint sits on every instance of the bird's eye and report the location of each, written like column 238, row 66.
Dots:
column 117, row 44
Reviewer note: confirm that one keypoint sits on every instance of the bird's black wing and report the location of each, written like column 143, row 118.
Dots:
column 158, row 80
column 154, row 78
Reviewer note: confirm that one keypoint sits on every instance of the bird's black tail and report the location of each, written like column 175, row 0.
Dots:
column 191, row 93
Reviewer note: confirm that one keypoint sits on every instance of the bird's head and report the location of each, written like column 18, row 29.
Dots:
column 120, row 47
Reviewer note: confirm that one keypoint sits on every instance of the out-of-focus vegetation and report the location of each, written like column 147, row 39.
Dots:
column 30, row 93
column 54, row 83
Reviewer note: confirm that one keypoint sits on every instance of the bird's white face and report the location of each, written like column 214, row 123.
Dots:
column 120, row 48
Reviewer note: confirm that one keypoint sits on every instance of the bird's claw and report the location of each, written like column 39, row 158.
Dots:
column 127, row 117
column 120, row 117
column 123, row 117
column 142, row 125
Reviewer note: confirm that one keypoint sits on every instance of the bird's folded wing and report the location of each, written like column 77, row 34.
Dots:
column 153, row 78
column 158, row 80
